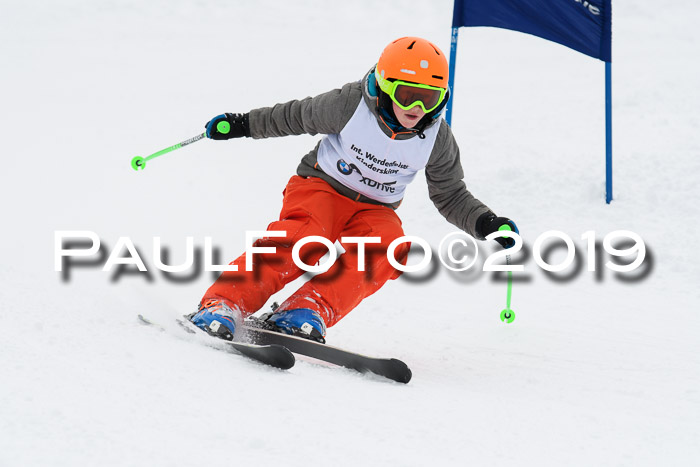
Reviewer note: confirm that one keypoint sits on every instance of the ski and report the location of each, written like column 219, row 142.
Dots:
column 389, row 368
column 272, row 354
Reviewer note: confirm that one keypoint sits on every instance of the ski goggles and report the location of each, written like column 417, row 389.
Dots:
column 408, row 95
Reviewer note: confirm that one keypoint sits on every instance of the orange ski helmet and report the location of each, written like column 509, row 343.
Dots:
column 416, row 60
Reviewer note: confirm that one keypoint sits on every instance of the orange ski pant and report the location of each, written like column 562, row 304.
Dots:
column 312, row 207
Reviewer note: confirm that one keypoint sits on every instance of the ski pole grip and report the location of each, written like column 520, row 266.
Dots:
column 223, row 127
column 505, row 227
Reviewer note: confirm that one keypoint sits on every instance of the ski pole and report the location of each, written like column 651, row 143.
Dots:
column 508, row 315
column 139, row 163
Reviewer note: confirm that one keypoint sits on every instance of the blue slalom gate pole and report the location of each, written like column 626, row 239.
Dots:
column 608, row 133
column 451, row 79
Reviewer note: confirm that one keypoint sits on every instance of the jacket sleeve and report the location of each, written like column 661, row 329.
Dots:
column 446, row 188
column 326, row 114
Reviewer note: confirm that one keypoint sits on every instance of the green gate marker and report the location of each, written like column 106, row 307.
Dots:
column 139, row 163
column 508, row 315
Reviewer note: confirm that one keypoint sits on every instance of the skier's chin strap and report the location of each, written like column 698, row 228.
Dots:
column 386, row 110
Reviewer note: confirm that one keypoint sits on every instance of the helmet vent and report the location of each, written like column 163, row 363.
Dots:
column 436, row 50
column 438, row 77
column 411, row 46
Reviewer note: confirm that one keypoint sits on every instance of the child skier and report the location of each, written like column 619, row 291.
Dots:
column 379, row 132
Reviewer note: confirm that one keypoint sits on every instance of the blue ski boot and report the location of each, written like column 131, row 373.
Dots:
column 301, row 322
column 216, row 318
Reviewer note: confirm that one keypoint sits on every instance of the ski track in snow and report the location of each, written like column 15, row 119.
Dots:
column 592, row 372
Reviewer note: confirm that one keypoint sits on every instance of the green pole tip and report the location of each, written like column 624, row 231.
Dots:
column 138, row 163
column 223, row 127
column 507, row 315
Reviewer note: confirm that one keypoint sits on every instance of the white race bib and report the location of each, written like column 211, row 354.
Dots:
column 366, row 160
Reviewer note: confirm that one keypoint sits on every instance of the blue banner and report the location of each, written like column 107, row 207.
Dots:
column 583, row 25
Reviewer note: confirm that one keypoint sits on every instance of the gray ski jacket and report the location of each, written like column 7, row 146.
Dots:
column 328, row 113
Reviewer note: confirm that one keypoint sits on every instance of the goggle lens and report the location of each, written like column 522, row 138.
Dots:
column 407, row 95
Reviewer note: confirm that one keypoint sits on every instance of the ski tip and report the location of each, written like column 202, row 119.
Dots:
column 400, row 372
column 285, row 359
column 274, row 355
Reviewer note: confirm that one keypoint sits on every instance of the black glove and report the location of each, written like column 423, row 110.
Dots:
column 227, row 126
column 488, row 223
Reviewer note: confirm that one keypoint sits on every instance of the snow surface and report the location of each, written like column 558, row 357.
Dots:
column 594, row 371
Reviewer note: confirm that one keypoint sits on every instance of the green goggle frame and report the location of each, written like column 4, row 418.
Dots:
column 390, row 88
